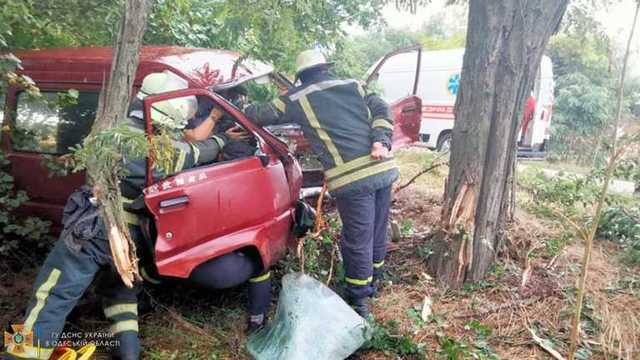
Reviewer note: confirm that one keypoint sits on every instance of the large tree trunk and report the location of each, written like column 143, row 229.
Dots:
column 113, row 105
column 505, row 42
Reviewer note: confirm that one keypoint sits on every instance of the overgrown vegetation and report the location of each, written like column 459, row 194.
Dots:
column 585, row 71
column 622, row 225
column 17, row 232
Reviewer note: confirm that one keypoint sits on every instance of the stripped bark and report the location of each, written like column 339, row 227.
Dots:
column 505, row 42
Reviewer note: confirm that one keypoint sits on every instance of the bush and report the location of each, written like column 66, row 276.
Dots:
column 388, row 339
column 623, row 226
column 568, row 193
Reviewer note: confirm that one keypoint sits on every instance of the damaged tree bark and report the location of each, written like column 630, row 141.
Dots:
column 505, row 43
column 114, row 101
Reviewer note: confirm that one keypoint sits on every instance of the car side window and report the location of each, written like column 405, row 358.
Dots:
column 53, row 122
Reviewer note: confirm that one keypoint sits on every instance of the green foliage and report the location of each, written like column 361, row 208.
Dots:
column 57, row 23
column 568, row 193
column 582, row 112
column 319, row 255
column 623, row 225
column 554, row 245
column 270, row 30
column 105, row 150
column 353, row 56
column 586, row 72
column 388, row 339
column 452, row 349
column 406, row 228
column 16, row 231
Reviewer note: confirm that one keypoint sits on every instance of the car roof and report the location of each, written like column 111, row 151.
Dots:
column 91, row 65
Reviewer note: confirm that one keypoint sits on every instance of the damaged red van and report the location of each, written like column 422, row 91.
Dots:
column 256, row 196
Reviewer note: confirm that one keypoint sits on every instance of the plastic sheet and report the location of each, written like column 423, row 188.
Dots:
column 311, row 322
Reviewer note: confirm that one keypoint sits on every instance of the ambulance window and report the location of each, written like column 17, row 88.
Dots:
column 52, row 122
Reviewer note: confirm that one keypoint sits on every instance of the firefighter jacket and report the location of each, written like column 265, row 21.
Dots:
column 187, row 155
column 341, row 123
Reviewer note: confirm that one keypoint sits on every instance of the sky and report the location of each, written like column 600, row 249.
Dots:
column 616, row 21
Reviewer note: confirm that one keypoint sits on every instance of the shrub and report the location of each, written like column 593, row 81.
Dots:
column 622, row 225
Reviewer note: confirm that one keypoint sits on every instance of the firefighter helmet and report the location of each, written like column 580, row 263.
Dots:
column 172, row 113
column 310, row 59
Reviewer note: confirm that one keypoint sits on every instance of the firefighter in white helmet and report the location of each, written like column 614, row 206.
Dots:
column 351, row 132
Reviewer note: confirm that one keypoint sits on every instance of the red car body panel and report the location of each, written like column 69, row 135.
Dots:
column 230, row 206
column 85, row 69
column 91, row 65
column 204, row 212
column 209, row 211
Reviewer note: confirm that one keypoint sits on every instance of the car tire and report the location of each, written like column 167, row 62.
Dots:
column 444, row 142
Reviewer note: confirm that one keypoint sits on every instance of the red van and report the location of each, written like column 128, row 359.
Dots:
column 199, row 214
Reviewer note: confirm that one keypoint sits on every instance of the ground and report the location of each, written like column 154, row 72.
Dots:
column 530, row 289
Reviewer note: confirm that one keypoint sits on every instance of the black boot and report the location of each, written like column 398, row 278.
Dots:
column 377, row 282
column 360, row 306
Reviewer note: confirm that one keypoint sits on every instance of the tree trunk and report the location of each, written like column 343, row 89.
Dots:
column 113, row 105
column 505, row 42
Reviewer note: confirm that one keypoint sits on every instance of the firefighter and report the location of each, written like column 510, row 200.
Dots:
column 351, row 133
column 83, row 249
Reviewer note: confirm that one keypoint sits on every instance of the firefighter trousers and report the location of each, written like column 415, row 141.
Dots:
column 365, row 218
column 233, row 269
column 62, row 280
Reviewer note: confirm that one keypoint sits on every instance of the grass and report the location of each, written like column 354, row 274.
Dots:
column 554, row 165
column 190, row 323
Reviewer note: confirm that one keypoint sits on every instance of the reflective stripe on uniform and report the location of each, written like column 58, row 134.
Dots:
column 127, row 201
column 196, row 153
column 182, row 155
column 360, row 282
column 261, row 278
column 118, row 309
column 378, row 265
column 29, row 352
column 382, row 123
column 131, row 218
column 361, row 174
column 122, row 326
column 279, row 104
column 322, row 134
column 348, row 166
column 323, row 85
column 218, row 140
column 42, row 293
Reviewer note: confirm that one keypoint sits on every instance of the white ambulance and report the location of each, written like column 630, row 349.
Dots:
column 437, row 86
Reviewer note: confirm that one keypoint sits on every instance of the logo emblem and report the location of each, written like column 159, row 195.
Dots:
column 20, row 339
column 452, row 85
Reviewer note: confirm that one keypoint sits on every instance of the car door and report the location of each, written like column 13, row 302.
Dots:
column 407, row 111
column 211, row 210
column 44, row 127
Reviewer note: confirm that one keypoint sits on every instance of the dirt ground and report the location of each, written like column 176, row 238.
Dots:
column 530, row 289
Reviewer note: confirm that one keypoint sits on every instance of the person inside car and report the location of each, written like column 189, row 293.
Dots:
column 82, row 252
column 241, row 143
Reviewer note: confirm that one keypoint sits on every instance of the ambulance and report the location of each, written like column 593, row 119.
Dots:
column 437, row 84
